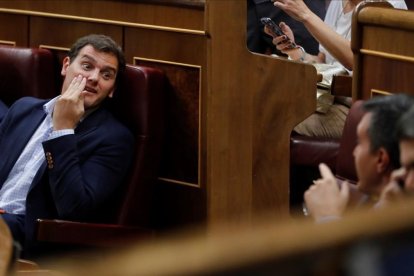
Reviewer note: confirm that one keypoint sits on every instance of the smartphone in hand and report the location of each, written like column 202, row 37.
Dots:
column 276, row 30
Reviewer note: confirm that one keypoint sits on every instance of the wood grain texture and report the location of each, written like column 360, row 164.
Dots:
column 188, row 17
column 253, row 104
column 383, row 46
column 13, row 29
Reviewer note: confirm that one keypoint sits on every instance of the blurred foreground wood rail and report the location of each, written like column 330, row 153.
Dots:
column 270, row 248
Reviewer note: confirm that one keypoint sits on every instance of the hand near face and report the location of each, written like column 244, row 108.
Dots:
column 325, row 198
column 69, row 107
column 393, row 191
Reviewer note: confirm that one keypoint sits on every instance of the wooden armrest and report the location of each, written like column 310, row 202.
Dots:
column 89, row 234
column 341, row 85
column 28, row 268
column 26, row 265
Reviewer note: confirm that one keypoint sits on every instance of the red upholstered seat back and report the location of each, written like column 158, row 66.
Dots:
column 26, row 72
column 139, row 104
column 345, row 165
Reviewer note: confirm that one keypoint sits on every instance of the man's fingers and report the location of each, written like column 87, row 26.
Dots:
column 267, row 31
column 398, row 174
column 79, row 85
column 76, row 87
column 285, row 27
column 345, row 189
column 325, row 171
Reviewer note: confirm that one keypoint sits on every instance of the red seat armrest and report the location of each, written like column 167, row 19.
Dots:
column 89, row 234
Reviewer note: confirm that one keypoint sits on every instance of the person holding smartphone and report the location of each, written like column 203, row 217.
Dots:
column 259, row 42
column 334, row 35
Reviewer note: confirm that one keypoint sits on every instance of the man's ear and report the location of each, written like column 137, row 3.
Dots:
column 65, row 65
column 383, row 161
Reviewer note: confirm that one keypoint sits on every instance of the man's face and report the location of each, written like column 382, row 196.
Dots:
column 365, row 159
column 99, row 68
column 407, row 162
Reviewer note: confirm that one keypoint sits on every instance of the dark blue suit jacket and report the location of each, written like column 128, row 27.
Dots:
column 84, row 169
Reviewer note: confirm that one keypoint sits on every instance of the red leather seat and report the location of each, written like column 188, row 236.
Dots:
column 345, row 164
column 307, row 153
column 26, row 72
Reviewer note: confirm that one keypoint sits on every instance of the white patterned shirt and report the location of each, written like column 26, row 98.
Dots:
column 14, row 190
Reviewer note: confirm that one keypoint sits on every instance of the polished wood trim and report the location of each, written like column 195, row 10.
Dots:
column 179, row 3
column 378, row 92
column 404, row 21
column 89, row 234
column 105, row 21
column 169, row 180
column 50, row 47
column 166, row 62
column 7, row 42
column 387, row 55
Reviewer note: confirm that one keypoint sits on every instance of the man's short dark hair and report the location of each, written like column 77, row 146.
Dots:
column 405, row 126
column 386, row 111
column 101, row 43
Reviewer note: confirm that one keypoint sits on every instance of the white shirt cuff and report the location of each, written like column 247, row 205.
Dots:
column 59, row 133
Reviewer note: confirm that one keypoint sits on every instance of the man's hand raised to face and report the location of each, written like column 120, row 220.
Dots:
column 325, row 198
column 69, row 107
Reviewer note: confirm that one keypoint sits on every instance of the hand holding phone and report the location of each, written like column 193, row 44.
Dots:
column 276, row 30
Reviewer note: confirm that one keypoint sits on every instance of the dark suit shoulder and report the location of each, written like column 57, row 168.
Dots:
column 114, row 124
column 106, row 124
column 28, row 102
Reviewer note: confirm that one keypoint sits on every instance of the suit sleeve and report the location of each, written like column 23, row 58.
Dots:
column 84, row 171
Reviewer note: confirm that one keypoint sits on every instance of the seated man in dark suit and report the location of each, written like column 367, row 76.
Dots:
column 259, row 42
column 62, row 158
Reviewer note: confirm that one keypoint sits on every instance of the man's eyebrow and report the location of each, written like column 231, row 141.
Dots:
column 88, row 57
column 91, row 59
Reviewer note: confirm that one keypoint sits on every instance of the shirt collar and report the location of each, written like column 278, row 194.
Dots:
column 48, row 107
